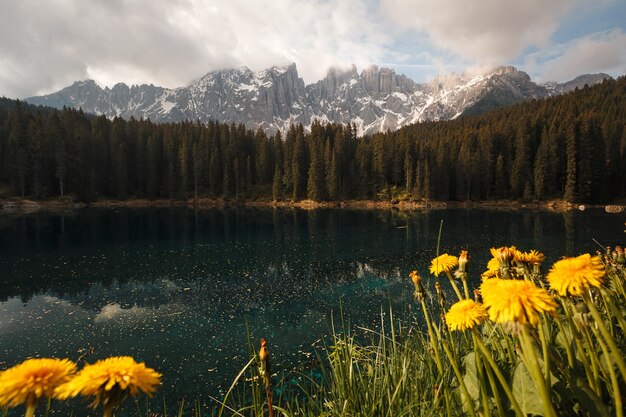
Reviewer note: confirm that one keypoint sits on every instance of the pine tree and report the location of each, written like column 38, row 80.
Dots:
column 17, row 152
column 315, row 182
column 119, row 161
column 333, row 178
column 418, row 184
column 184, row 157
column 197, row 168
column 500, row 181
column 591, row 184
column 35, row 145
column 154, row 162
column 571, row 180
column 226, row 181
column 408, row 170
column 277, row 184
column 298, row 167
column 520, row 167
column 541, row 169
column 426, row 191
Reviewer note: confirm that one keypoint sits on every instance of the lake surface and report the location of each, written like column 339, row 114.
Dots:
column 181, row 289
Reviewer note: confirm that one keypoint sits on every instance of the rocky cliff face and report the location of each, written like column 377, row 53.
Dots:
column 375, row 100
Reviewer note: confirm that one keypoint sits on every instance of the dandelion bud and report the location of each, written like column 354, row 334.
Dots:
column 264, row 367
column 415, row 277
column 463, row 260
column 417, row 283
column 441, row 298
column 620, row 255
column 504, row 255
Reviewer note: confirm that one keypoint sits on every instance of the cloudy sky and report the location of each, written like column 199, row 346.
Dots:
column 48, row 44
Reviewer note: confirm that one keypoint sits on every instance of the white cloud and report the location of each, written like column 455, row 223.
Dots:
column 598, row 52
column 47, row 45
column 482, row 31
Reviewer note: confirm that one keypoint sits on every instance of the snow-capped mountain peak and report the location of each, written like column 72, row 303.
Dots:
column 375, row 100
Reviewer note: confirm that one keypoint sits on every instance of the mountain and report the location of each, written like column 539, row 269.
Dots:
column 375, row 100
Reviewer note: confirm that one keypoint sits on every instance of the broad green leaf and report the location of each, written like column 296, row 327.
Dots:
column 525, row 391
column 471, row 380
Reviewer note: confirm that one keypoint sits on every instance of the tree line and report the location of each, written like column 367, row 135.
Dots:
column 570, row 147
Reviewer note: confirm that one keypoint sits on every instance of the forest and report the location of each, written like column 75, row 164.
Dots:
column 570, row 147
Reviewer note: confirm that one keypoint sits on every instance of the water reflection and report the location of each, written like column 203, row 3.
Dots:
column 180, row 288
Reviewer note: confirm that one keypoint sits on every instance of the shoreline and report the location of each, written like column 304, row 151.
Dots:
column 17, row 205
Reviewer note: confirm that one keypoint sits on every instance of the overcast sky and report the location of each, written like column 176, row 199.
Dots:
column 48, row 44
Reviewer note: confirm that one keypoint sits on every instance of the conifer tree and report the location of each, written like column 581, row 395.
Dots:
column 520, row 167
column 333, row 179
column 408, row 170
column 541, row 169
column 418, row 185
column 277, row 184
column 426, row 183
column 571, row 153
column 298, row 167
column 500, row 181
column 315, row 182
column 35, row 145
column 153, row 150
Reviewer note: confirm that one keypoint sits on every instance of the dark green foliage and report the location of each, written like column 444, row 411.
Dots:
column 571, row 147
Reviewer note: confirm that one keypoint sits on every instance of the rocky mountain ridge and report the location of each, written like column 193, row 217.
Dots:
column 375, row 100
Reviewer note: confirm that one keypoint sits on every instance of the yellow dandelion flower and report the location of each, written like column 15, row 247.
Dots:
column 443, row 263
column 110, row 380
column 33, row 379
column 489, row 274
column 465, row 315
column 517, row 301
column 574, row 275
column 493, row 266
column 532, row 257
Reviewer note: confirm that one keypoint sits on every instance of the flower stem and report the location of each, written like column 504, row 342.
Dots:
column 431, row 334
column 619, row 412
column 576, row 337
column 483, row 385
column 614, row 310
column 496, row 392
column 455, row 287
column 30, row 409
column 535, row 371
column 459, row 377
column 605, row 333
column 544, row 349
column 492, row 363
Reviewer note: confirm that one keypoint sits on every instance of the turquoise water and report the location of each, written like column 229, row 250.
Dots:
column 180, row 289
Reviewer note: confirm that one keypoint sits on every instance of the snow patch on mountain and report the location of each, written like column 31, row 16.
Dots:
column 377, row 99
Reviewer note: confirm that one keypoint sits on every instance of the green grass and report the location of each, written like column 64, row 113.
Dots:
column 570, row 364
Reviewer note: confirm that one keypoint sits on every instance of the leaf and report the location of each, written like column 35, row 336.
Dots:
column 579, row 399
column 564, row 340
column 603, row 363
column 525, row 391
column 471, row 380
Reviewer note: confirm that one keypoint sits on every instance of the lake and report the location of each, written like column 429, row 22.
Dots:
column 181, row 289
